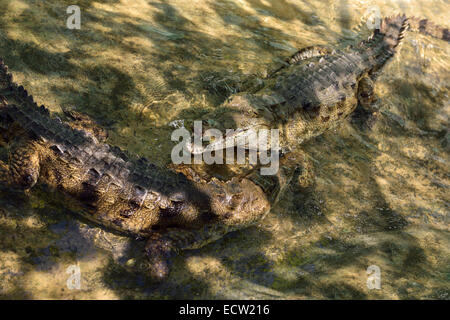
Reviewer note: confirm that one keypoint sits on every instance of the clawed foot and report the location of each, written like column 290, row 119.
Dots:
column 159, row 252
column 83, row 122
column 364, row 119
column 306, row 176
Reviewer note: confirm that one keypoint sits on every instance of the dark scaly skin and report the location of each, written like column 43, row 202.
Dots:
column 184, row 207
column 174, row 208
column 428, row 28
column 318, row 89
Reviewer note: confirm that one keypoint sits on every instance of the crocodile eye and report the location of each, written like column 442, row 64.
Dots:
column 28, row 181
column 94, row 173
column 307, row 105
column 134, row 204
column 57, row 149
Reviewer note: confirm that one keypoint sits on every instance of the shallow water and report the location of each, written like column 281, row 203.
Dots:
column 380, row 197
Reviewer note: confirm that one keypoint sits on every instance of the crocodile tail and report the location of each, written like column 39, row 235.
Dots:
column 392, row 30
column 428, row 28
column 381, row 45
column 8, row 88
column 6, row 79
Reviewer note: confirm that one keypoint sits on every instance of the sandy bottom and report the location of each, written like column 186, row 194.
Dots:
column 381, row 197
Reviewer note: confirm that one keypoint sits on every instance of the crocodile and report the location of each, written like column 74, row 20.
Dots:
column 317, row 89
column 173, row 207
column 181, row 207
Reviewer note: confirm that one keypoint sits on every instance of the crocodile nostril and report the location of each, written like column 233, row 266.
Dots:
column 28, row 178
column 27, row 181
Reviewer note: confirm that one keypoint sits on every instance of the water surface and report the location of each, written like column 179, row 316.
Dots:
column 381, row 197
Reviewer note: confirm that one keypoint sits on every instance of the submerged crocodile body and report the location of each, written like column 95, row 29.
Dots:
column 174, row 208
column 178, row 208
column 318, row 88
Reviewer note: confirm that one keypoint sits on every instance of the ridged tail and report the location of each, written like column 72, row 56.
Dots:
column 382, row 44
column 392, row 31
column 16, row 102
column 8, row 88
column 428, row 28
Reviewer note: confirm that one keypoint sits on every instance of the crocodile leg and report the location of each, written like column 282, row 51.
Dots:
column 301, row 163
column 22, row 169
column 307, row 53
column 306, row 176
column 161, row 247
column 301, row 55
column 366, row 96
column 254, row 84
column 83, row 122
column 293, row 161
column 365, row 113
column 289, row 163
